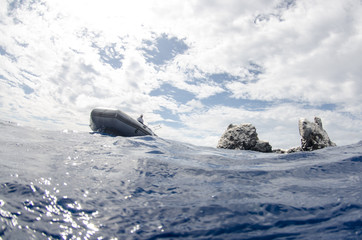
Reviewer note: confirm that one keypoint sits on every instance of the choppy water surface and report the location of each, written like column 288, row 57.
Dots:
column 67, row 185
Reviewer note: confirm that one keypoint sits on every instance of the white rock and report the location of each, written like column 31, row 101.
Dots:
column 313, row 135
column 243, row 137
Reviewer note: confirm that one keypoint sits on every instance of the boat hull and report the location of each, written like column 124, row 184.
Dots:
column 117, row 123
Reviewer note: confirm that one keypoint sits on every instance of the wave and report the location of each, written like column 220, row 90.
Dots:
column 65, row 185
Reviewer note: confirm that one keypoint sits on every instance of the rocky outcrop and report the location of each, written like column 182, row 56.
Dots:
column 243, row 137
column 313, row 135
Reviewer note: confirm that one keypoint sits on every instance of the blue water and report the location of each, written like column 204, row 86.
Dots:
column 69, row 185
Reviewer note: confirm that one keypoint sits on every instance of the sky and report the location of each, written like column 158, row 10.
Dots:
column 191, row 67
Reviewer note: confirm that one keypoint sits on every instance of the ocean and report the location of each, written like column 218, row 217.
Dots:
column 84, row 185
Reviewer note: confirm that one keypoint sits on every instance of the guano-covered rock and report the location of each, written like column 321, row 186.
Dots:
column 243, row 137
column 313, row 135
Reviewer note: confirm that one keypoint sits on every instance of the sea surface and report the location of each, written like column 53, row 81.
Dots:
column 83, row 185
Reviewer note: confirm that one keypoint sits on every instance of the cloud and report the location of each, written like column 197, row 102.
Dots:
column 308, row 62
column 191, row 66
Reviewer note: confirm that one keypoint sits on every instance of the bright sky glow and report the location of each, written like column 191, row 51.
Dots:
column 192, row 67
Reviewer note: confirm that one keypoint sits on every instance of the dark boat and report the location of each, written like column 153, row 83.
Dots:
column 117, row 123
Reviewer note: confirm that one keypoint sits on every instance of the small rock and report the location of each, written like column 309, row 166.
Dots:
column 290, row 150
column 262, row 146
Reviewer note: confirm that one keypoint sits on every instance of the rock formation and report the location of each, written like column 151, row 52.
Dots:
column 243, row 137
column 313, row 135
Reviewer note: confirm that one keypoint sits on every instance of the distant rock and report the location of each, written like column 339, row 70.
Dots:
column 290, row 150
column 313, row 135
column 243, row 137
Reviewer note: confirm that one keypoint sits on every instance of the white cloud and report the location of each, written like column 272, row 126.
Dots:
column 306, row 56
column 62, row 58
